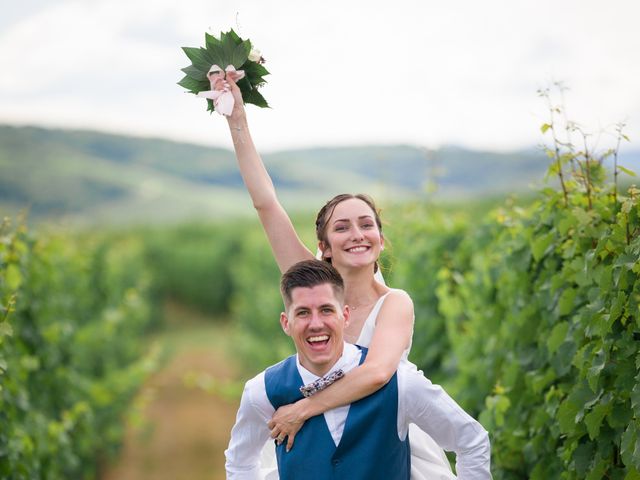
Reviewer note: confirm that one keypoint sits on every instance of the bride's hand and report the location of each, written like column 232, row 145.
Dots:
column 286, row 422
column 238, row 114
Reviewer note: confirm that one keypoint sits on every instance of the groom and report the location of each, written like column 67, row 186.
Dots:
column 365, row 440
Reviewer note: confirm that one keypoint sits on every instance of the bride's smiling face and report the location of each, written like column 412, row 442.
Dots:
column 353, row 238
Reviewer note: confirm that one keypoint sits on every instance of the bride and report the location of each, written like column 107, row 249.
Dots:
column 350, row 236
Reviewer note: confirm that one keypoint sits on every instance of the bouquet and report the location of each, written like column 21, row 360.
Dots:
column 226, row 57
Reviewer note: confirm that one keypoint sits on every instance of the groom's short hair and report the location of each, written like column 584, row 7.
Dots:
column 308, row 274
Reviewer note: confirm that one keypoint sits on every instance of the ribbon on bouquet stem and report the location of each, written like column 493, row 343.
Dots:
column 220, row 92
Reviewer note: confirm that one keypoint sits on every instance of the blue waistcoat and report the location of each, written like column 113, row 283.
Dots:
column 369, row 448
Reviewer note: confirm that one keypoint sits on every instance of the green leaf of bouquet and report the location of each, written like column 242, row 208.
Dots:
column 228, row 48
column 210, row 41
column 545, row 127
column 627, row 171
column 254, row 97
column 192, row 85
column 198, row 57
column 234, row 36
column 254, row 70
column 195, row 73
column 215, row 56
column 240, row 54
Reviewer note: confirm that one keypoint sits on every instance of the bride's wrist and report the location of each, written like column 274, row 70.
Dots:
column 309, row 407
column 238, row 124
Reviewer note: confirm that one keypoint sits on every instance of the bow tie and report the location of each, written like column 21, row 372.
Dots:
column 321, row 383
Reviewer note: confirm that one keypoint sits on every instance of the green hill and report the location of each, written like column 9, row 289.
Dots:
column 84, row 176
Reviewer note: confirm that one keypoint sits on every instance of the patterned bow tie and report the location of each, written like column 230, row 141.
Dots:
column 321, row 383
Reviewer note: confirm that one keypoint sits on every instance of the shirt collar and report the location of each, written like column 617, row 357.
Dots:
column 349, row 359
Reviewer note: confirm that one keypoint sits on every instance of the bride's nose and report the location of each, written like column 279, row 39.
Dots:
column 356, row 233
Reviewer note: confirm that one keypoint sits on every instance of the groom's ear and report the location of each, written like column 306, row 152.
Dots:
column 284, row 322
column 346, row 313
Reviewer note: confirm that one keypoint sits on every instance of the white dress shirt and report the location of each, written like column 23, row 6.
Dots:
column 419, row 401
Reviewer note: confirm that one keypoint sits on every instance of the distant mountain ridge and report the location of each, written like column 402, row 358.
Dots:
column 100, row 177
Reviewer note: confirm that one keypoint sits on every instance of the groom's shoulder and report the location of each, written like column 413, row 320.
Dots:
column 285, row 362
column 257, row 383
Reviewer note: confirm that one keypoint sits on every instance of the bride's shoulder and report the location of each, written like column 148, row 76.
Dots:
column 397, row 298
column 399, row 293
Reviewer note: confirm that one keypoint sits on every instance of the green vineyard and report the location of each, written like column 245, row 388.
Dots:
column 527, row 312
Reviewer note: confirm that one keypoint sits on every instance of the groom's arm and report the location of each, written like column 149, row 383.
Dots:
column 250, row 432
column 434, row 411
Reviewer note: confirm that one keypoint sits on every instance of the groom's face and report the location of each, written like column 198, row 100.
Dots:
column 315, row 320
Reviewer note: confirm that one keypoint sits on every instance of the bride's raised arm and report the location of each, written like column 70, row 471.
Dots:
column 392, row 336
column 285, row 243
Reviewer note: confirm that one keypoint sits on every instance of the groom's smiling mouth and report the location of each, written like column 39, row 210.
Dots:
column 318, row 341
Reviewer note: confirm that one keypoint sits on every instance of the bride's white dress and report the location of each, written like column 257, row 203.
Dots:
column 428, row 460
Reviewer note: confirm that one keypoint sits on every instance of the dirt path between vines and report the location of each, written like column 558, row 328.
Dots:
column 186, row 410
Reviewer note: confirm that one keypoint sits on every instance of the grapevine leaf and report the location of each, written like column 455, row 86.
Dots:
column 5, row 329
column 632, row 474
column 13, row 277
column 583, row 458
column 593, row 419
column 567, row 416
column 593, row 374
column 540, row 245
column 557, row 336
column 567, row 301
column 627, row 171
column 597, row 472
column 635, row 397
column 620, row 416
column 628, row 444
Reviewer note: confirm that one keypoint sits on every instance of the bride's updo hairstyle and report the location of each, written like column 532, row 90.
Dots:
column 327, row 210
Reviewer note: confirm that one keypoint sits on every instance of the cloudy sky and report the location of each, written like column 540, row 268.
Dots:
column 342, row 72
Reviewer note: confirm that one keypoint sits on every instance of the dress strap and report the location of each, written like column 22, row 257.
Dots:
column 366, row 334
column 373, row 315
